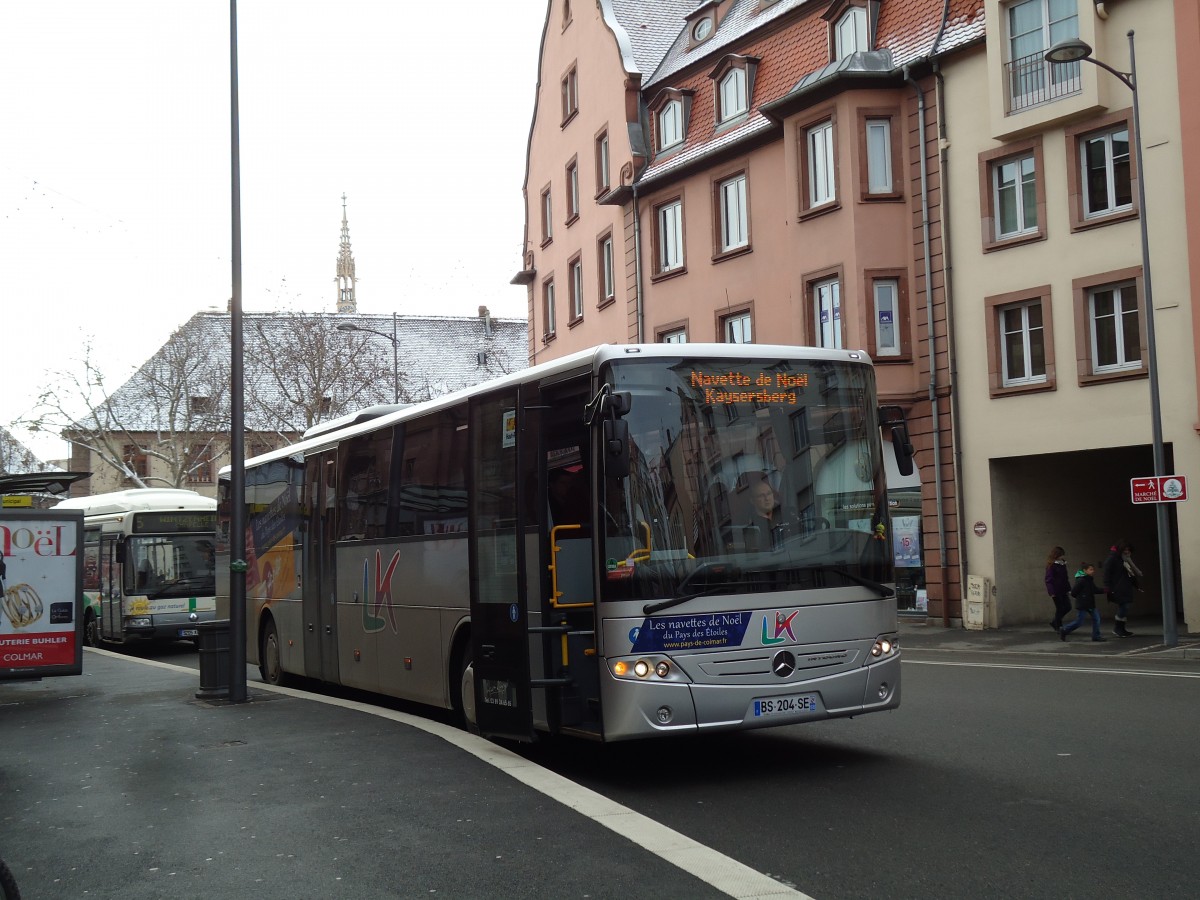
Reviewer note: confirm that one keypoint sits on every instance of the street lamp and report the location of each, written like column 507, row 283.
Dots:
column 1074, row 50
column 395, row 351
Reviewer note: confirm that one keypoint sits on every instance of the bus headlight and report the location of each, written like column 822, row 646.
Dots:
column 139, row 622
column 647, row 668
column 885, row 647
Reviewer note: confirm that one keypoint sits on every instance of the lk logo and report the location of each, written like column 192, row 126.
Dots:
column 783, row 624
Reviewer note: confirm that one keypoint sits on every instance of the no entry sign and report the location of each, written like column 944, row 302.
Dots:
column 1158, row 489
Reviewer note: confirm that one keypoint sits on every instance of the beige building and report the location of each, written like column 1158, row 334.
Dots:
column 809, row 172
column 1050, row 293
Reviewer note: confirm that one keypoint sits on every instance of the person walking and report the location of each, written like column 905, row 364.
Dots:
column 1120, row 581
column 1084, row 591
column 1058, row 585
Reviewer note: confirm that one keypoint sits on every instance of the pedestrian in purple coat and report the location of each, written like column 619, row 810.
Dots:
column 1058, row 585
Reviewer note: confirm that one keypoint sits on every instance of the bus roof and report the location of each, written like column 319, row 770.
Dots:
column 582, row 360
column 139, row 500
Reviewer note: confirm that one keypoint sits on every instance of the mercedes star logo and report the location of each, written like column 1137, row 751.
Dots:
column 784, row 664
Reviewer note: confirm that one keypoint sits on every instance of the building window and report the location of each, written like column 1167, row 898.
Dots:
column 1115, row 328
column 1104, row 169
column 732, row 214
column 548, row 329
column 1109, row 334
column 819, row 165
column 570, row 94
column 850, row 33
column 1034, row 26
column 827, row 313
column 736, row 329
column 201, row 469
column 1012, row 194
column 135, row 461
column 732, row 100
column 576, row 266
column 673, row 336
column 572, row 191
column 670, row 124
column 668, row 237
column 603, row 182
column 879, row 156
column 702, row 30
column 886, row 308
column 1099, row 171
column 606, row 267
column 1023, row 344
column 547, row 218
column 199, row 406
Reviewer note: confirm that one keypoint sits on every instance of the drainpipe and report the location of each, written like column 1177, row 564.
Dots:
column 637, row 267
column 948, row 268
column 934, row 412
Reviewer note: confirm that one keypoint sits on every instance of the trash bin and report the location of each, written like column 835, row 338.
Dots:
column 214, row 660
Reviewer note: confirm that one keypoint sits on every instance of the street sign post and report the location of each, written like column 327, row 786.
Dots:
column 1158, row 489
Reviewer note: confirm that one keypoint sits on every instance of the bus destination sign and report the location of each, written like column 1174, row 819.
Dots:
column 780, row 388
column 176, row 521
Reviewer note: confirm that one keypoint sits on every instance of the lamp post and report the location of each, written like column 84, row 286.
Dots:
column 395, row 351
column 1070, row 51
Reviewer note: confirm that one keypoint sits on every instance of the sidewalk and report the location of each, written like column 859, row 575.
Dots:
column 929, row 634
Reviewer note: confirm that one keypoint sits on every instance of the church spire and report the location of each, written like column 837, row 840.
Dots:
column 346, row 302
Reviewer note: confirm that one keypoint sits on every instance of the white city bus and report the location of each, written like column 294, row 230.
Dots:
column 148, row 557
column 573, row 548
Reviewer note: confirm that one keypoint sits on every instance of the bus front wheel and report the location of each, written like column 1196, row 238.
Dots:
column 269, row 666
column 466, row 693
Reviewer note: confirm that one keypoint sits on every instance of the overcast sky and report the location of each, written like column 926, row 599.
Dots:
column 115, row 172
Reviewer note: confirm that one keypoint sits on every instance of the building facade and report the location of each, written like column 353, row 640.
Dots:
column 909, row 177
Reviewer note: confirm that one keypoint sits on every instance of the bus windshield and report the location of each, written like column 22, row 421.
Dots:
column 745, row 476
column 170, row 565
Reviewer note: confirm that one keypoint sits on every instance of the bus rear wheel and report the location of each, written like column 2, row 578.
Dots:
column 269, row 666
column 465, row 696
column 91, row 629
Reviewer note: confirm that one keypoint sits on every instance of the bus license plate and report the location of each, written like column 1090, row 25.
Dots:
column 782, row 706
column 189, row 632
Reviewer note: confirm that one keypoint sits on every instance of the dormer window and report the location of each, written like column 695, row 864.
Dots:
column 734, row 85
column 670, row 125
column 732, row 95
column 702, row 29
column 850, row 32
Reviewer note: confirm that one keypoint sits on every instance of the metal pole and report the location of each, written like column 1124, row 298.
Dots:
column 237, row 474
column 395, row 363
column 1166, row 569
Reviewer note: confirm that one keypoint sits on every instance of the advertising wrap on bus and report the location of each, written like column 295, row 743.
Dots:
column 41, row 577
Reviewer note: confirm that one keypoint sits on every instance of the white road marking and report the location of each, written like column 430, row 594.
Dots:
column 1091, row 671
column 724, row 873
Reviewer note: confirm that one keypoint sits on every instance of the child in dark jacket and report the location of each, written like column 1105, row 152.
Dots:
column 1084, row 591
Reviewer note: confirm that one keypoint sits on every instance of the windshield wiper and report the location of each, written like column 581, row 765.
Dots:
column 881, row 589
column 726, row 573
column 202, row 580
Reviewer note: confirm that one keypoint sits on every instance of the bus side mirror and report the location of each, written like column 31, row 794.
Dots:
column 904, row 449
column 121, row 552
column 616, row 448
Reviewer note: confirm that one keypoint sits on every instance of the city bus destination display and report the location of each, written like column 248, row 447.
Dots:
column 168, row 522
column 742, row 387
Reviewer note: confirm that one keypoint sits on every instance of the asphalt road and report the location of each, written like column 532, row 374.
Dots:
column 999, row 776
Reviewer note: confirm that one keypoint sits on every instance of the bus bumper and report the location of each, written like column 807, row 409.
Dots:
column 645, row 709
column 181, row 626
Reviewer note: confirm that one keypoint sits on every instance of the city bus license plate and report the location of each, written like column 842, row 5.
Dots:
column 189, row 632
column 782, row 706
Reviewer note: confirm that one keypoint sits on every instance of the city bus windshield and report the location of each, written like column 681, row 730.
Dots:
column 170, row 565
column 745, row 475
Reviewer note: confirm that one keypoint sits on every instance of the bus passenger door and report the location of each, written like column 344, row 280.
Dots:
column 111, row 589
column 499, row 614
column 319, row 584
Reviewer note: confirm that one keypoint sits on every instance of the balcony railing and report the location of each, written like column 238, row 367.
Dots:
column 1031, row 80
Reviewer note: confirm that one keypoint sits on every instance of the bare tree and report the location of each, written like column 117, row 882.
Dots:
column 173, row 409
column 301, row 370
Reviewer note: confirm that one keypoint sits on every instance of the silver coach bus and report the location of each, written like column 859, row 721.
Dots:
column 627, row 542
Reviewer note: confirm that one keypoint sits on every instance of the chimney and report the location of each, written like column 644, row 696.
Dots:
column 487, row 321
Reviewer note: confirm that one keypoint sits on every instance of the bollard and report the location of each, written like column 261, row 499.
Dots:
column 214, row 660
